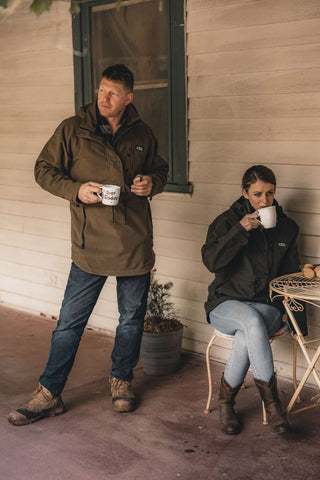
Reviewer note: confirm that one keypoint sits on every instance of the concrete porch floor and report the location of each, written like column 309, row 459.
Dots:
column 168, row 437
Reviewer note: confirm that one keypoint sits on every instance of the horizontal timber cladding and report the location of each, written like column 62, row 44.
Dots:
column 254, row 98
column 260, row 60
column 253, row 37
column 209, row 172
column 293, row 129
column 224, row 14
column 255, row 151
column 256, row 106
column 36, row 80
column 257, row 83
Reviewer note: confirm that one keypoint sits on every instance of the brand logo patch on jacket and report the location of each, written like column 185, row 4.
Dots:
column 281, row 244
column 139, row 148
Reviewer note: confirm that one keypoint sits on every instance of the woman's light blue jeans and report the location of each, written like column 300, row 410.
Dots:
column 80, row 297
column 251, row 324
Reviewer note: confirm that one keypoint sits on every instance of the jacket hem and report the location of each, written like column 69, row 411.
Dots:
column 113, row 273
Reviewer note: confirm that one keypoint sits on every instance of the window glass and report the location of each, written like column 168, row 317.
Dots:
column 136, row 34
column 147, row 36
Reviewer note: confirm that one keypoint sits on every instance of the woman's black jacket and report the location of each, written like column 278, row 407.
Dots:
column 245, row 262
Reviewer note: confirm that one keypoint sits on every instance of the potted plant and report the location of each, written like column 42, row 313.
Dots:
column 162, row 335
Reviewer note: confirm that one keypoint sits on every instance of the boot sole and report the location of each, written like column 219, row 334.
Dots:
column 231, row 433
column 281, row 433
column 287, row 429
column 28, row 421
column 122, row 410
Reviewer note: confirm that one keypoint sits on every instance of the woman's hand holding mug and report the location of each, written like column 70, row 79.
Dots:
column 250, row 221
column 266, row 217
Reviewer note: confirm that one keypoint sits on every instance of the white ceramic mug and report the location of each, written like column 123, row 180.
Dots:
column 110, row 194
column 267, row 216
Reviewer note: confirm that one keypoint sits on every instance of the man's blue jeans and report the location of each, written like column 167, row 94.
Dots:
column 251, row 324
column 80, row 297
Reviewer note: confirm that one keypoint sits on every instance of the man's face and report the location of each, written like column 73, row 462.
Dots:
column 260, row 194
column 112, row 98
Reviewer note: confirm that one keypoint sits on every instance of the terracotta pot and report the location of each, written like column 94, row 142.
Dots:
column 161, row 352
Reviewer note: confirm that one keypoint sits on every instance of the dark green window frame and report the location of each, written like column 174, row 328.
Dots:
column 178, row 181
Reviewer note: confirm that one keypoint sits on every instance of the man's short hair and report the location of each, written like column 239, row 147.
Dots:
column 120, row 73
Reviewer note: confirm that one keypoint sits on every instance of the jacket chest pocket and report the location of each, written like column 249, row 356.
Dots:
column 137, row 159
column 133, row 163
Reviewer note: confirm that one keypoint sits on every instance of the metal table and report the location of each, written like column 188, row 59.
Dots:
column 295, row 288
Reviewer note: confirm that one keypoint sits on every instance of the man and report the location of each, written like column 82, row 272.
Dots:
column 105, row 143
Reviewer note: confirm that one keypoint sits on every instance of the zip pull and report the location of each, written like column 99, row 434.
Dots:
column 83, row 227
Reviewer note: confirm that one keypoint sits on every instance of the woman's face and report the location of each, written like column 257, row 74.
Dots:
column 260, row 194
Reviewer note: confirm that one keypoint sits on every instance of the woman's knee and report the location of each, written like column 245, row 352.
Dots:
column 254, row 322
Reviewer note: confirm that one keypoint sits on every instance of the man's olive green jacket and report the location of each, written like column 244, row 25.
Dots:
column 106, row 240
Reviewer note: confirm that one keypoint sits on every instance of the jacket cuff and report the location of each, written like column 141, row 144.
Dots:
column 157, row 186
column 74, row 193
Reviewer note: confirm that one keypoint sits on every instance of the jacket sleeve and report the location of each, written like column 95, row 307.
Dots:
column 290, row 264
column 223, row 243
column 53, row 164
column 156, row 167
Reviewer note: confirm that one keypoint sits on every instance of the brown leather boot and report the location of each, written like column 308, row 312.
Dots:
column 228, row 419
column 269, row 393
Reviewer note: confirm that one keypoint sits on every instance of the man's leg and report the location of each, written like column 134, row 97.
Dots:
column 80, row 297
column 132, row 303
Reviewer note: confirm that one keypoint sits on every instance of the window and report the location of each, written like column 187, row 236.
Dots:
column 148, row 37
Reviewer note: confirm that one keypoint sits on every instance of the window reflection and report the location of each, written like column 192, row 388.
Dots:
column 136, row 34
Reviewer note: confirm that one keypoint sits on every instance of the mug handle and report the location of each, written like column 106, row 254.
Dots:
column 98, row 194
column 258, row 215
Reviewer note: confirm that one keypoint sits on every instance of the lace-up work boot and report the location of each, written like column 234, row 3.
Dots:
column 228, row 419
column 123, row 398
column 41, row 404
column 269, row 393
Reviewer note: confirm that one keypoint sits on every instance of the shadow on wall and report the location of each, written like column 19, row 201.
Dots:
column 302, row 206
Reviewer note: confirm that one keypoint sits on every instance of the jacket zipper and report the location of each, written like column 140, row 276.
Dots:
column 83, row 227
column 270, row 265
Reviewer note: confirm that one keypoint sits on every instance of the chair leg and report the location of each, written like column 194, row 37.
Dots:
column 264, row 414
column 207, row 409
column 295, row 365
column 294, row 375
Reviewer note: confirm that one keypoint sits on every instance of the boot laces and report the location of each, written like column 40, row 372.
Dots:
column 40, row 398
column 120, row 387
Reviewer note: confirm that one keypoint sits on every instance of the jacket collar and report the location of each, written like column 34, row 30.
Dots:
column 90, row 120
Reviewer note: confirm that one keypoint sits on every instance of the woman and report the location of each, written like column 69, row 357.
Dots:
column 245, row 257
